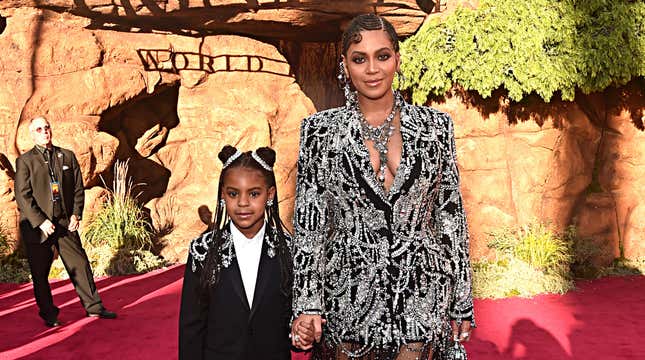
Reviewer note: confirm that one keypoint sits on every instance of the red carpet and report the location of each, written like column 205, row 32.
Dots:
column 602, row 319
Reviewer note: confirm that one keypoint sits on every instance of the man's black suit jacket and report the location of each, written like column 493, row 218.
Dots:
column 33, row 193
column 227, row 328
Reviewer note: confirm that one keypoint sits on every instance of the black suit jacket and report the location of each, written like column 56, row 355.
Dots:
column 33, row 193
column 227, row 328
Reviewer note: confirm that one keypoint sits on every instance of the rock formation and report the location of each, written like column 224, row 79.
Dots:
column 165, row 84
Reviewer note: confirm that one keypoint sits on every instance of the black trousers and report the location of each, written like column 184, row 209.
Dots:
column 40, row 258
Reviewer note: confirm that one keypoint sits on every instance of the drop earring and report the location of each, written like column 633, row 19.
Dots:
column 344, row 82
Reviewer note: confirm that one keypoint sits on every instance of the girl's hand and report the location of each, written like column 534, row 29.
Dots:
column 462, row 331
column 305, row 330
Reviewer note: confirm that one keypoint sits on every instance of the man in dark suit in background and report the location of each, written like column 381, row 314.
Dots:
column 50, row 195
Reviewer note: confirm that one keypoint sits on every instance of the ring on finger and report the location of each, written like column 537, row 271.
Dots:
column 296, row 337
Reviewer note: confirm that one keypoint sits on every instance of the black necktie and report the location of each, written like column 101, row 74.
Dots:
column 48, row 155
column 50, row 163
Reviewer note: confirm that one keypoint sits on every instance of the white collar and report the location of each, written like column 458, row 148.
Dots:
column 241, row 239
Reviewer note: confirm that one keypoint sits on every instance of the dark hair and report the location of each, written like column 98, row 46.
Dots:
column 352, row 35
column 210, row 273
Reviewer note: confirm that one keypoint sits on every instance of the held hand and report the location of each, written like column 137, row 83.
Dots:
column 47, row 227
column 73, row 223
column 460, row 332
column 306, row 333
column 305, row 330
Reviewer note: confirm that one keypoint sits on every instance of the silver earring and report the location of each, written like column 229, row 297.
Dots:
column 343, row 80
column 269, row 202
column 222, row 203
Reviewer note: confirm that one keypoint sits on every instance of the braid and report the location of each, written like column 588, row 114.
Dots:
column 210, row 274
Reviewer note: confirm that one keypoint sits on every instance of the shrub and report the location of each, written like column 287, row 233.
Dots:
column 118, row 239
column 537, row 246
column 528, row 47
column 13, row 267
column 120, row 223
column 622, row 267
column 530, row 260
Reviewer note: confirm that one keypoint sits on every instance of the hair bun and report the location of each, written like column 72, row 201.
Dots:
column 226, row 153
column 267, row 154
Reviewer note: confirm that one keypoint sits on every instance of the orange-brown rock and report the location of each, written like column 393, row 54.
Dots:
column 148, row 82
column 167, row 103
column 579, row 163
column 514, row 173
column 305, row 20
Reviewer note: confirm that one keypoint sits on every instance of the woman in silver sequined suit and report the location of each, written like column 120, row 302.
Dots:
column 381, row 241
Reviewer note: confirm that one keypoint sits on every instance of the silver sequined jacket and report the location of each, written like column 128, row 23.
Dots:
column 384, row 268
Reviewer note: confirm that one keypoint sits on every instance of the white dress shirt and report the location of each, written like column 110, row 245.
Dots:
column 248, row 253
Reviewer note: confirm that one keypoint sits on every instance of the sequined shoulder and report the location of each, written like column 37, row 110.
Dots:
column 199, row 249
column 326, row 118
column 432, row 120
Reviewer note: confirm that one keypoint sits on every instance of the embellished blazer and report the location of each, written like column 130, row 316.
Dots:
column 226, row 327
column 385, row 268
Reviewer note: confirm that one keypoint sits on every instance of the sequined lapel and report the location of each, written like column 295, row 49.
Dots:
column 410, row 132
column 361, row 156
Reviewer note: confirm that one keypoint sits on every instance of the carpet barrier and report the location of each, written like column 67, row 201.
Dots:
column 601, row 319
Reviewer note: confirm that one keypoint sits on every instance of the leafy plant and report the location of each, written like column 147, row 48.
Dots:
column 120, row 223
column 537, row 246
column 529, row 260
column 528, row 47
column 13, row 266
column 118, row 239
column 623, row 267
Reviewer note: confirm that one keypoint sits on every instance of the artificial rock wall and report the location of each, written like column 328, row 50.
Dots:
column 167, row 83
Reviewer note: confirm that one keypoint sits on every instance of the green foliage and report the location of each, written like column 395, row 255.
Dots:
column 513, row 277
column 530, row 260
column 536, row 245
column 5, row 246
column 118, row 239
column 13, row 266
column 106, row 261
column 526, row 47
column 120, row 223
column 584, row 252
column 622, row 267
column 134, row 262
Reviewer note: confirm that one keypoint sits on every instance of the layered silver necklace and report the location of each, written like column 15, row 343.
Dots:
column 380, row 135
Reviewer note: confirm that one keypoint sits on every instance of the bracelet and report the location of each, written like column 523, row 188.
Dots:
column 311, row 312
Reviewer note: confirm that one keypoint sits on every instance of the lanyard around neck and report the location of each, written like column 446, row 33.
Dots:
column 49, row 160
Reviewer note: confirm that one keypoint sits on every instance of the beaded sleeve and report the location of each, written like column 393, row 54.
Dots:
column 310, row 221
column 451, row 225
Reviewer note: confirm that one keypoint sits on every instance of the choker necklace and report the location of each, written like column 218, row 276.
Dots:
column 381, row 134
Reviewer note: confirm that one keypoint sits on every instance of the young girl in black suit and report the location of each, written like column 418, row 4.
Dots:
column 236, row 297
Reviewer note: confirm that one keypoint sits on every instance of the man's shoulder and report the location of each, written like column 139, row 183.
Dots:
column 28, row 154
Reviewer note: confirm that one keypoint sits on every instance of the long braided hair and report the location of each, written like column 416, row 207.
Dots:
column 211, row 272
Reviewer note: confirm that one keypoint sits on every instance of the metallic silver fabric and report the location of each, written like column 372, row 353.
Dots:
column 386, row 268
column 200, row 246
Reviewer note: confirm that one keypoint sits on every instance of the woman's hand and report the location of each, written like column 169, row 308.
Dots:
column 460, row 332
column 306, row 329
